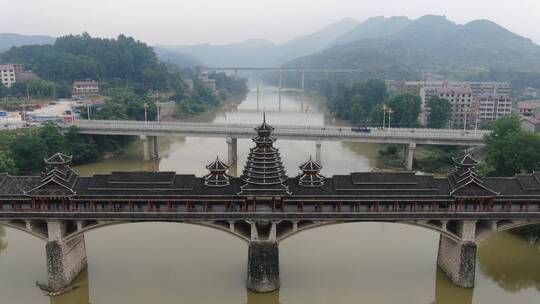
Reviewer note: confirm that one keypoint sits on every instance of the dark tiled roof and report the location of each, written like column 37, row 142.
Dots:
column 218, row 176
column 465, row 160
column 58, row 159
column 310, row 166
column 217, row 165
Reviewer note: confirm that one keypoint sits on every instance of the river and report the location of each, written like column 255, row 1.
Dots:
column 350, row 263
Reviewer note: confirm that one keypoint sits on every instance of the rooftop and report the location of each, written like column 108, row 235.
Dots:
column 529, row 105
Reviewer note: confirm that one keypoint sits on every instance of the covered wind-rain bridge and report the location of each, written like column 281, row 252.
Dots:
column 264, row 206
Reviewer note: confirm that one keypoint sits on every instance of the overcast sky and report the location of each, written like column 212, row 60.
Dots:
column 224, row 21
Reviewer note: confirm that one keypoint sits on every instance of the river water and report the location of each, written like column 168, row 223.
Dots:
column 350, row 263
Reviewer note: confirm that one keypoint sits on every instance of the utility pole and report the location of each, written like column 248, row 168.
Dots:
column 384, row 108
column 465, row 112
column 145, row 106
column 88, row 109
column 257, row 97
column 390, row 111
column 24, row 112
column 476, row 120
column 158, row 106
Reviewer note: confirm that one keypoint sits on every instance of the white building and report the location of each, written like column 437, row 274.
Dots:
column 492, row 106
column 7, row 74
column 461, row 103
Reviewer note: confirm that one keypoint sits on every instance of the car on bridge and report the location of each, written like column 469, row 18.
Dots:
column 361, row 129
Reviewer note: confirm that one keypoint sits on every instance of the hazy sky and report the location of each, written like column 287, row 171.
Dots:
column 224, row 21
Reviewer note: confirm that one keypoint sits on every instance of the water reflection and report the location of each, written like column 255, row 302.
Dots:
column 511, row 262
column 79, row 295
column 448, row 293
column 3, row 244
column 263, row 298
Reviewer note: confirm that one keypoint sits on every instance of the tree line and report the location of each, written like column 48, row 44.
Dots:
column 370, row 103
column 120, row 63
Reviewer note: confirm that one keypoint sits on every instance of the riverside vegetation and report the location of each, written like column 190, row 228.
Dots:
column 129, row 74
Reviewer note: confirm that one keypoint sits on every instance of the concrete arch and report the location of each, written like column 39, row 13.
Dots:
column 484, row 235
column 40, row 236
column 424, row 224
column 103, row 224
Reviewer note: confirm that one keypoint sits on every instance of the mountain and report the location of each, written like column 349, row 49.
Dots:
column 375, row 27
column 430, row 43
column 315, row 42
column 263, row 53
column 180, row 59
column 7, row 40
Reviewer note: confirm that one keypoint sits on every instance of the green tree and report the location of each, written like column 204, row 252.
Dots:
column 28, row 152
column 406, row 109
column 54, row 140
column 82, row 147
column 4, row 91
column 440, row 112
column 7, row 164
column 511, row 150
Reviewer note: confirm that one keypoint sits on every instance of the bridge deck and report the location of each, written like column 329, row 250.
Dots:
column 392, row 135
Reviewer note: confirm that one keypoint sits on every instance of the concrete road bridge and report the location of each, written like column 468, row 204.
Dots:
column 149, row 131
column 281, row 70
column 264, row 206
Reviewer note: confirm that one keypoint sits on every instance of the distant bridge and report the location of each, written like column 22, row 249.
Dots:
column 149, row 131
column 279, row 70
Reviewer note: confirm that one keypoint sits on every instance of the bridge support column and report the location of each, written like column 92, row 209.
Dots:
column 263, row 266
column 457, row 259
column 279, row 90
column 318, row 145
column 65, row 260
column 303, row 81
column 232, row 150
column 155, row 147
column 408, row 153
column 150, row 147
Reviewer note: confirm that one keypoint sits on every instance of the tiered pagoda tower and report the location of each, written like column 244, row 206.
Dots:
column 264, row 174
column 59, row 179
column 310, row 176
column 466, row 182
column 218, row 176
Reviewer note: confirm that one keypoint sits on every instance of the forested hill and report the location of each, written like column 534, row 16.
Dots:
column 428, row 43
column 82, row 57
column 126, row 69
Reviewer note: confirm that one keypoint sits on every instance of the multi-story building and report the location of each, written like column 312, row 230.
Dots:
column 528, row 108
column 85, row 89
column 7, row 74
column 490, row 87
column 461, row 103
column 13, row 72
column 492, row 106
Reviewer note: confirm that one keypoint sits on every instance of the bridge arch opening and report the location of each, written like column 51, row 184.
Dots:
column 288, row 228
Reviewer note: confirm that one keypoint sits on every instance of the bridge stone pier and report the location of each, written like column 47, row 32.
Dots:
column 318, row 146
column 150, row 147
column 408, row 154
column 232, row 150
column 457, row 258
column 65, row 259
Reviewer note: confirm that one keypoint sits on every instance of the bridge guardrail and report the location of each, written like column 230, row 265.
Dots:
column 310, row 131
